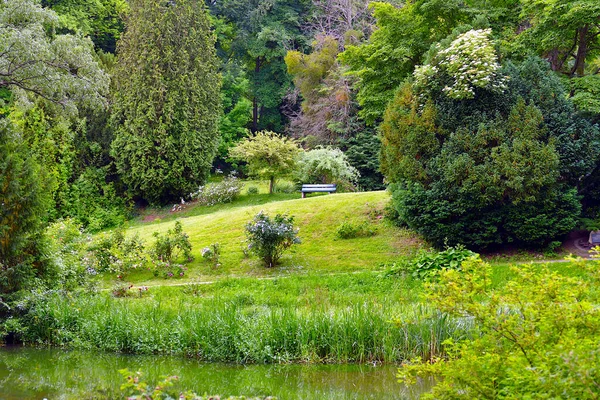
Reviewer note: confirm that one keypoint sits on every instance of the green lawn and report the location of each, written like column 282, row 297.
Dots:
column 317, row 217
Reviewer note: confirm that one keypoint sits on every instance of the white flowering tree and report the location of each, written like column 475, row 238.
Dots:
column 469, row 62
column 35, row 60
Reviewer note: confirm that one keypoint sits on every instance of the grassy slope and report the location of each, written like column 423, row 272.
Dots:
column 317, row 217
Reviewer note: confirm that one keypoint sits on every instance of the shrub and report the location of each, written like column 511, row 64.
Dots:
column 349, row 230
column 117, row 254
column 252, row 190
column 538, row 335
column 68, row 246
column 94, row 202
column 269, row 238
column 172, row 245
column 212, row 254
column 217, row 193
column 326, row 165
column 428, row 264
column 285, row 188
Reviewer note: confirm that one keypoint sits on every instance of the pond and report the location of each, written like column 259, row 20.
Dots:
column 30, row 373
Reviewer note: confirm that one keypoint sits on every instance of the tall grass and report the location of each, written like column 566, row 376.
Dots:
column 231, row 331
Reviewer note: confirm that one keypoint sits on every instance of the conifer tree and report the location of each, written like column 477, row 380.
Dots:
column 166, row 107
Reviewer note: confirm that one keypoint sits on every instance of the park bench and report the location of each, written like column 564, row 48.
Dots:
column 329, row 188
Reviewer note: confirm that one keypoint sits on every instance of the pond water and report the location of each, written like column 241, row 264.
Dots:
column 29, row 373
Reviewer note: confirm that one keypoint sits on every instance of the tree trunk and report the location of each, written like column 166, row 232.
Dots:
column 255, row 100
column 582, row 50
column 271, row 184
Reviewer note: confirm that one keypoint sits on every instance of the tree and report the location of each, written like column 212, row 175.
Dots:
column 265, row 30
column 567, row 33
column 269, row 156
column 402, row 37
column 25, row 201
column 478, row 155
column 101, row 20
column 58, row 68
column 328, row 107
column 326, row 165
column 166, row 109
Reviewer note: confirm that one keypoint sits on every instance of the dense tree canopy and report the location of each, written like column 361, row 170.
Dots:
column 166, row 108
column 480, row 155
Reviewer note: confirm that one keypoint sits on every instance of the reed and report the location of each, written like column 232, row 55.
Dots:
column 230, row 330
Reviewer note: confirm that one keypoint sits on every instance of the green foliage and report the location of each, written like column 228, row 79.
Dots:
column 222, row 192
column 171, row 246
column 164, row 114
column 397, row 46
column 25, row 200
column 252, row 190
column 94, row 202
column 269, row 238
column 362, row 152
column 263, row 31
column 269, row 156
column 538, row 335
column 325, row 165
column 68, row 245
column 100, row 20
column 33, row 60
column 349, row 230
column 586, row 94
column 491, row 170
column 237, row 110
column 428, row 265
column 113, row 252
column 567, row 32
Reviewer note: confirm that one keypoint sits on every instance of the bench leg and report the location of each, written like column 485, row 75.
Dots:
column 303, row 195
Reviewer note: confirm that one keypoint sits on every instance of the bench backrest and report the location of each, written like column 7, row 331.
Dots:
column 323, row 186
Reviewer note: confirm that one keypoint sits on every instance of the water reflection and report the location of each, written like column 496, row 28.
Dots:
column 27, row 373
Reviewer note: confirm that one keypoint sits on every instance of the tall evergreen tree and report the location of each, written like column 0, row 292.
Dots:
column 166, row 105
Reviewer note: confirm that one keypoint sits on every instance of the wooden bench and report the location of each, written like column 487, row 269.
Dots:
column 329, row 188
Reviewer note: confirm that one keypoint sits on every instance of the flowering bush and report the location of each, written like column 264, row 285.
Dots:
column 469, row 61
column 269, row 238
column 67, row 245
column 171, row 246
column 212, row 254
column 217, row 193
column 116, row 254
column 326, row 165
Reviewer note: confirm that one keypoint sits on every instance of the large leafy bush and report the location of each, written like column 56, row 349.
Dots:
column 269, row 238
column 326, row 165
column 537, row 335
column 489, row 163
